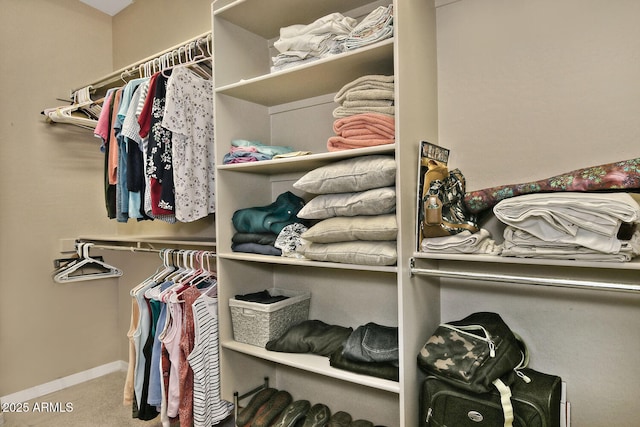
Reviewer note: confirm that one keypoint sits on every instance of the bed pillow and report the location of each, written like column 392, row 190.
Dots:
column 350, row 175
column 344, row 229
column 377, row 201
column 357, row 252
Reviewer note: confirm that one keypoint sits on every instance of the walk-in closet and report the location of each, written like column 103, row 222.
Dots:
column 276, row 184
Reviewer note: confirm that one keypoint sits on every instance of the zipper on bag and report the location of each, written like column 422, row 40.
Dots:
column 465, row 331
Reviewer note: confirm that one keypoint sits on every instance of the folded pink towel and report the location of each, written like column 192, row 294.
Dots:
column 362, row 130
column 374, row 122
column 337, row 143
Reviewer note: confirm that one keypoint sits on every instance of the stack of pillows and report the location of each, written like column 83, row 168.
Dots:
column 353, row 211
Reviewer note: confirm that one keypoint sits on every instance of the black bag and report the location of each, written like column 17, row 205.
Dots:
column 535, row 404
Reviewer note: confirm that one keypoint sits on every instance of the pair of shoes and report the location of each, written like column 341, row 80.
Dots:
column 318, row 416
column 340, row 419
column 293, row 413
column 245, row 416
column 271, row 409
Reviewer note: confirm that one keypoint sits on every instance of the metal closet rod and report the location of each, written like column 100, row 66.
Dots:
column 139, row 249
column 527, row 280
column 133, row 68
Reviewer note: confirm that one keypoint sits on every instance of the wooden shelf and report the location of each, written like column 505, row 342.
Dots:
column 315, row 78
column 312, row 363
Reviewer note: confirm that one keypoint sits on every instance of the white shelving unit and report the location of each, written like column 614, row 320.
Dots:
column 294, row 107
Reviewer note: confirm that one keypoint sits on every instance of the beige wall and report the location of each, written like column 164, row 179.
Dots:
column 50, row 188
column 51, row 181
column 529, row 89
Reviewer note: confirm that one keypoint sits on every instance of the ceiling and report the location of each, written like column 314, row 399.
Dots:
column 110, row 7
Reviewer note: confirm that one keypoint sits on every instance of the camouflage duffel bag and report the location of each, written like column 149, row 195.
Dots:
column 473, row 352
column 478, row 353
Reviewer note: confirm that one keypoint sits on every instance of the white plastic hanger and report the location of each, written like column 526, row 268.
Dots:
column 86, row 268
column 81, row 101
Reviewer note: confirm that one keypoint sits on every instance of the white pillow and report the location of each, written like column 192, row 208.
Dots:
column 350, row 175
column 343, row 229
column 377, row 201
column 357, row 252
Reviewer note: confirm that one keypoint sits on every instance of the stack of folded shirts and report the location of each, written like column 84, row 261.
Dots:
column 243, row 151
column 375, row 27
column 354, row 206
column 585, row 226
column 366, row 114
column 302, row 43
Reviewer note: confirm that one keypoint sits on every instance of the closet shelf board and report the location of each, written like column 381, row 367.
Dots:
column 327, row 75
column 268, row 259
column 265, row 17
column 305, row 163
column 313, row 363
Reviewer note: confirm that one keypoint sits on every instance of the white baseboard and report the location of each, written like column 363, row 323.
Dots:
column 62, row 383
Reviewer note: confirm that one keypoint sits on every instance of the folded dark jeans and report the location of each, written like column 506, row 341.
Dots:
column 311, row 336
column 382, row 370
column 372, row 343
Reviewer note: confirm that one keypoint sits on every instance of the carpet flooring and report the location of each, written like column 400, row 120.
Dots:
column 94, row 403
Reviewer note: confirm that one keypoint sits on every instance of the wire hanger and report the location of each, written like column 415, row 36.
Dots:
column 86, row 268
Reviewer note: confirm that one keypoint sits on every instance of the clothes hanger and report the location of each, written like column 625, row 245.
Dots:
column 82, row 103
column 158, row 276
column 200, row 276
column 86, row 268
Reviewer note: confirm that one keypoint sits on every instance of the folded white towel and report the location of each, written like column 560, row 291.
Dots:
column 464, row 242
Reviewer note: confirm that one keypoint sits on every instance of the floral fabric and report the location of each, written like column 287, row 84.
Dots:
column 189, row 116
column 623, row 175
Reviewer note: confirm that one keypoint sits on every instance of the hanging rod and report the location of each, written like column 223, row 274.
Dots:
column 526, row 280
column 141, row 249
column 131, row 69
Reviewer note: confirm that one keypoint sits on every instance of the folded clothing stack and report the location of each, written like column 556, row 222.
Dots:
column 366, row 114
column 354, row 208
column 270, row 229
column 569, row 225
column 302, row 43
column 375, row 27
column 370, row 349
column 243, row 151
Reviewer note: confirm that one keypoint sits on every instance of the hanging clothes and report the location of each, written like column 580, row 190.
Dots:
column 174, row 346
column 189, row 116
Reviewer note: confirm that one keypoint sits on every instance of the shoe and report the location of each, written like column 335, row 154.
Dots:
column 246, row 414
column 361, row 423
column 318, row 416
column 340, row 419
column 270, row 410
column 292, row 413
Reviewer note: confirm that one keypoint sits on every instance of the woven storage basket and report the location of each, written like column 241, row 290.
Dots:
column 256, row 324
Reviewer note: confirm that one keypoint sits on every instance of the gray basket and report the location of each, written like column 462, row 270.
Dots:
column 256, row 324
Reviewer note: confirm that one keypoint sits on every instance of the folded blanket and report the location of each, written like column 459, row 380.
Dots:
column 519, row 243
column 464, row 242
column 370, row 93
column 372, row 81
column 591, row 220
column 346, row 112
column 362, row 130
column 338, row 143
column 347, row 105
column 380, row 124
column 623, row 175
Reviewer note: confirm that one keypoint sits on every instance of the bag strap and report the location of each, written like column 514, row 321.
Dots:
column 505, row 399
